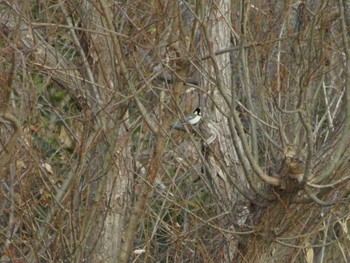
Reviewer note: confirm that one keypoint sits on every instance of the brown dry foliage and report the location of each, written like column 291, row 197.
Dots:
column 91, row 170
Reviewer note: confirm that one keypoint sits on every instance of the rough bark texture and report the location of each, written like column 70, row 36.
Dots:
column 92, row 169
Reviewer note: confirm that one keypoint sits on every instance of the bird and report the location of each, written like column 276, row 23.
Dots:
column 191, row 119
column 194, row 117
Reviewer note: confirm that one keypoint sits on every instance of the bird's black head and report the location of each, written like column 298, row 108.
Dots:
column 197, row 111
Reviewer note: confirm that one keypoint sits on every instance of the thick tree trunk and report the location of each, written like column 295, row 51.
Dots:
column 91, row 89
column 224, row 166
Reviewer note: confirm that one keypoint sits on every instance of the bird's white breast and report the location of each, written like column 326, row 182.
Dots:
column 193, row 120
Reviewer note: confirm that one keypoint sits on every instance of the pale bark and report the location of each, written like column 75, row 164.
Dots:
column 262, row 178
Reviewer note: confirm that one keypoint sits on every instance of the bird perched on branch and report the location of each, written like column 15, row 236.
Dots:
column 194, row 117
column 191, row 119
